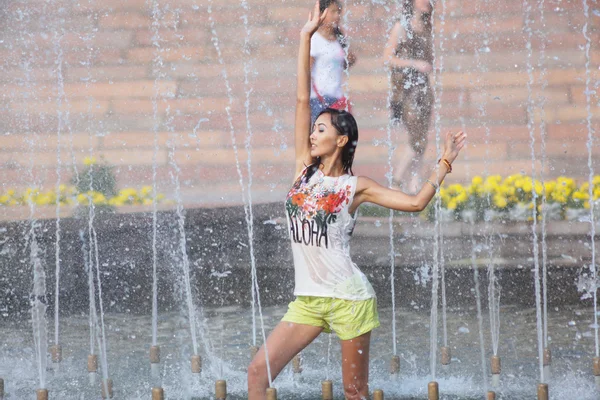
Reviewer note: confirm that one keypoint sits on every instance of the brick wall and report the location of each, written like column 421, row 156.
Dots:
column 81, row 77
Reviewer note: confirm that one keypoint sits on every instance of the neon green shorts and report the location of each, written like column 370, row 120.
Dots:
column 347, row 318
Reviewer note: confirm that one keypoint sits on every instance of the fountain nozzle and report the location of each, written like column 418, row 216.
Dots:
column 596, row 366
column 496, row 369
column 271, row 394
column 158, row 393
column 155, row 354
column 92, row 363
column 196, row 364
column 56, row 353
column 395, row 365
column 433, row 391
column 496, row 365
column 542, row 391
column 107, row 389
column 253, row 351
column 327, row 390
column 378, row 394
column 220, row 390
column 297, row 364
column 446, row 355
column 491, row 395
column 42, row 394
column 547, row 357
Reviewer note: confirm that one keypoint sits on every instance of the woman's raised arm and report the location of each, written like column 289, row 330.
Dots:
column 302, row 125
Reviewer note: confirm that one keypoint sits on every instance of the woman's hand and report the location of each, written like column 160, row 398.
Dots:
column 454, row 143
column 351, row 59
column 314, row 20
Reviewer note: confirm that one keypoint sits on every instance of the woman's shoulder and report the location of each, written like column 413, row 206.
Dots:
column 317, row 39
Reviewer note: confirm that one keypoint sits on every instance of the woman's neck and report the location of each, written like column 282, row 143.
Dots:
column 327, row 32
column 332, row 166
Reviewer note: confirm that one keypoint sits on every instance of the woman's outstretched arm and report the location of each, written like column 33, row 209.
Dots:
column 368, row 190
column 302, row 125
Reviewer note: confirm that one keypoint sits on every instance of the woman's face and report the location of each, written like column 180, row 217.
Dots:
column 324, row 138
column 334, row 13
column 423, row 6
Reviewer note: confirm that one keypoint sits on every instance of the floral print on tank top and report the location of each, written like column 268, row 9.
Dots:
column 311, row 207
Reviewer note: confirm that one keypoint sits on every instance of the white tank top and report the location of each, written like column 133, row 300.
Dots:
column 328, row 68
column 320, row 228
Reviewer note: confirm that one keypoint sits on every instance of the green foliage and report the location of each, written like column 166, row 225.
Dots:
column 96, row 177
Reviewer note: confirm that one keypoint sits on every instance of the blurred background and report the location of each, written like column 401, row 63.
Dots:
column 164, row 89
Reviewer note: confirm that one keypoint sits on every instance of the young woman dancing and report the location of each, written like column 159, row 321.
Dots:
column 332, row 294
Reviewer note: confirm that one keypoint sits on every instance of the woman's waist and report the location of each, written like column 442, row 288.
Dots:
column 407, row 73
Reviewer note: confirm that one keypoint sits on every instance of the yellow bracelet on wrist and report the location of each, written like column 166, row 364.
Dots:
column 447, row 164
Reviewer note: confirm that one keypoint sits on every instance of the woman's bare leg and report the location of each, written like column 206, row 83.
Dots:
column 355, row 367
column 286, row 340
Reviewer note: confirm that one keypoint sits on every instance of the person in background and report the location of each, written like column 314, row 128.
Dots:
column 328, row 61
column 409, row 55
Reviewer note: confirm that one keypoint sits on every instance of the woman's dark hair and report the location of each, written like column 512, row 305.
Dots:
column 345, row 124
column 339, row 34
column 408, row 10
column 324, row 4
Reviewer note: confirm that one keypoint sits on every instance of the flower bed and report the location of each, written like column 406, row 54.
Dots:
column 70, row 196
column 94, row 185
column 514, row 198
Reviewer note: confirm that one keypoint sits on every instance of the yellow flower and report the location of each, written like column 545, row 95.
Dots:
column 98, row 198
column 580, row 195
column 500, row 201
column 128, row 192
column 549, row 187
column 89, row 160
column 44, row 200
column 462, row 197
column 586, row 205
column 147, row 202
column 567, row 183
column 477, row 180
column 145, row 191
column 82, row 198
column 518, row 182
column 115, row 201
column 452, row 204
